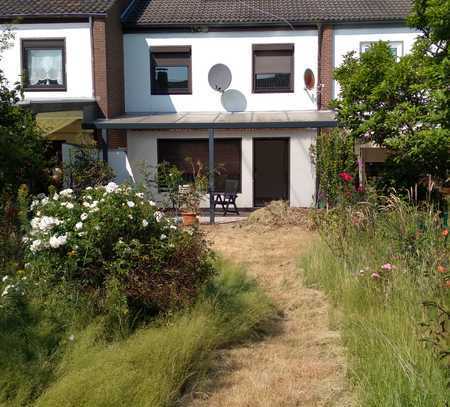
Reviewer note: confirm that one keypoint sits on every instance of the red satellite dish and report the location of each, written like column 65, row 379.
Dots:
column 309, row 78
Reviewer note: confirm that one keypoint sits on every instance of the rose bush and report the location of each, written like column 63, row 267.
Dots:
column 113, row 246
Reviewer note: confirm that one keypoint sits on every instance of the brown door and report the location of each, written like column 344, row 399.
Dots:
column 270, row 170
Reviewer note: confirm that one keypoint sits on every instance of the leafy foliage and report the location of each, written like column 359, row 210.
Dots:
column 403, row 104
column 334, row 153
column 22, row 148
column 84, row 169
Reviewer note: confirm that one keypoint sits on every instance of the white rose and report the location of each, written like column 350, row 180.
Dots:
column 69, row 205
column 5, row 278
column 152, row 203
column 79, row 226
column 35, row 246
column 48, row 222
column 111, row 187
column 140, row 195
column 57, row 241
column 163, row 237
column 145, row 223
column 66, row 192
column 158, row 216
column 83, row 216
column 131, row 204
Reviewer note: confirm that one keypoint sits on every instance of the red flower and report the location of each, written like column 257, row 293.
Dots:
column 345, row 176
column 445, row 232
column 441, row 269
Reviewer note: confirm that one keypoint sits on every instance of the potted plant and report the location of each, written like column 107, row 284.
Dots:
column 191, row 194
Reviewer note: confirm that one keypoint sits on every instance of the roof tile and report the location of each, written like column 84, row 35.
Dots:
column 38, row 8
column 197, row 12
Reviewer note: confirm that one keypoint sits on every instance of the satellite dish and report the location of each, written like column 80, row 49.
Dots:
column 309, row 79
column 219, row 77
column 233, row 101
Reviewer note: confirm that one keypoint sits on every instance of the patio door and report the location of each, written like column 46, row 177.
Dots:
column 270, row 170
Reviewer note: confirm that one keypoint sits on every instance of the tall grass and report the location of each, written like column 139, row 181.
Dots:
column 380, row 318
column 153, row 366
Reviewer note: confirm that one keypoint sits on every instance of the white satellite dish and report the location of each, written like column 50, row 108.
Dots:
column 219, row 77
column 233, row 101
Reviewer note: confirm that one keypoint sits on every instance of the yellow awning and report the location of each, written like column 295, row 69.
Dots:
column 65, row 126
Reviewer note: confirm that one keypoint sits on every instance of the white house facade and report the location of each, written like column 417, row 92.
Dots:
column 60, row 52
column 245, row 84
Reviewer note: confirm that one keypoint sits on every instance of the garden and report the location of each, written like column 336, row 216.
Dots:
column 106, row 299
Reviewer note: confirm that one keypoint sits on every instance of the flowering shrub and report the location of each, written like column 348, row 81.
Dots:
column 116, row 247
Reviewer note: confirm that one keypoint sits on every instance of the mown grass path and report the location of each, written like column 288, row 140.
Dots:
column 301, row 362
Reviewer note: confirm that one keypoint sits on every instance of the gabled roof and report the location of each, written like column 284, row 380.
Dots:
column 53, row 8
column 271, row 12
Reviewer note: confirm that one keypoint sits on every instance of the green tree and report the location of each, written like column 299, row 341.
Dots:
column 403, row 104
column 22, row 147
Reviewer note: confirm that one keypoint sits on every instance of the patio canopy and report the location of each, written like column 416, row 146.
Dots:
column 64, row 126
column 220, row 120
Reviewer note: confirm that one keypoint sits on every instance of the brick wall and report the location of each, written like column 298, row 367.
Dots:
column 108, row 67
column 326, row 66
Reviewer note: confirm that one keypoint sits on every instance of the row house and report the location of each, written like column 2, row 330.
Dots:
column 245, row 82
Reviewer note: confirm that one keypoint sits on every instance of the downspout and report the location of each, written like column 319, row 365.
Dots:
column 91, row 31
column 319, row 66
column 319, row 100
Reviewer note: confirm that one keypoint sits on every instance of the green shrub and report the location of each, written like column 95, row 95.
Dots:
column 113, row 245
column 380, row 265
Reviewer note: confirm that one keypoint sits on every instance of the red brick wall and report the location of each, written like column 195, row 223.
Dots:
column 326, row 66
column 108, row 67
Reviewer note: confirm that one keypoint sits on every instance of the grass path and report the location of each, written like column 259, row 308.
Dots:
column 301, row 363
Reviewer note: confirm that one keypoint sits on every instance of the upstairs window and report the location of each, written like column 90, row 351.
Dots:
column 396, row 47
column 43, row 65
column 171, row 71
column 273, row 68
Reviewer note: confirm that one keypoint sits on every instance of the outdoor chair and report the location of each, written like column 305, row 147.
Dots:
column 228, row 197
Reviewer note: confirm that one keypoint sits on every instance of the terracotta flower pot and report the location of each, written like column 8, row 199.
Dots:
column 189, row 218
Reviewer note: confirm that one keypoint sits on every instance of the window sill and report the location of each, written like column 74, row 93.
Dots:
column 273, row 91
column 169, row 93
column 46, row 89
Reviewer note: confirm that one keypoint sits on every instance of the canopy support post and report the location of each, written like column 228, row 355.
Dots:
column 105, row 145
column 211, row 175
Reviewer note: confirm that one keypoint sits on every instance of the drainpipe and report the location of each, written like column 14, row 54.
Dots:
column 319, row 66
column 319, row 97
column 91, row 31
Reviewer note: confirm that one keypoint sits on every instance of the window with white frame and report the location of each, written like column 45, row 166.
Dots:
column 396, row 47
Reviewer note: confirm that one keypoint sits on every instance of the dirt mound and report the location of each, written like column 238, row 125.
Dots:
column 278, row 213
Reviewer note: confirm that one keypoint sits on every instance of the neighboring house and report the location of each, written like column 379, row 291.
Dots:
column 152, row 82
column 68, row 54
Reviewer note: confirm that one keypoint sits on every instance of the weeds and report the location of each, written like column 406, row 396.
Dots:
column 152, row 366
column 379, row 265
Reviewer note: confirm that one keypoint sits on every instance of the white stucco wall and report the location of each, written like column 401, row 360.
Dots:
column 232, row 49
column 349, row 39
column 78, row 57
column 142, row 149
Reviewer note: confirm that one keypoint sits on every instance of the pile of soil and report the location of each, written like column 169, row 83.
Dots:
column 278, row 213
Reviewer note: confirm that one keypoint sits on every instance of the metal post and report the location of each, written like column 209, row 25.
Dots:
column 211, row 174
column 105, row 145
